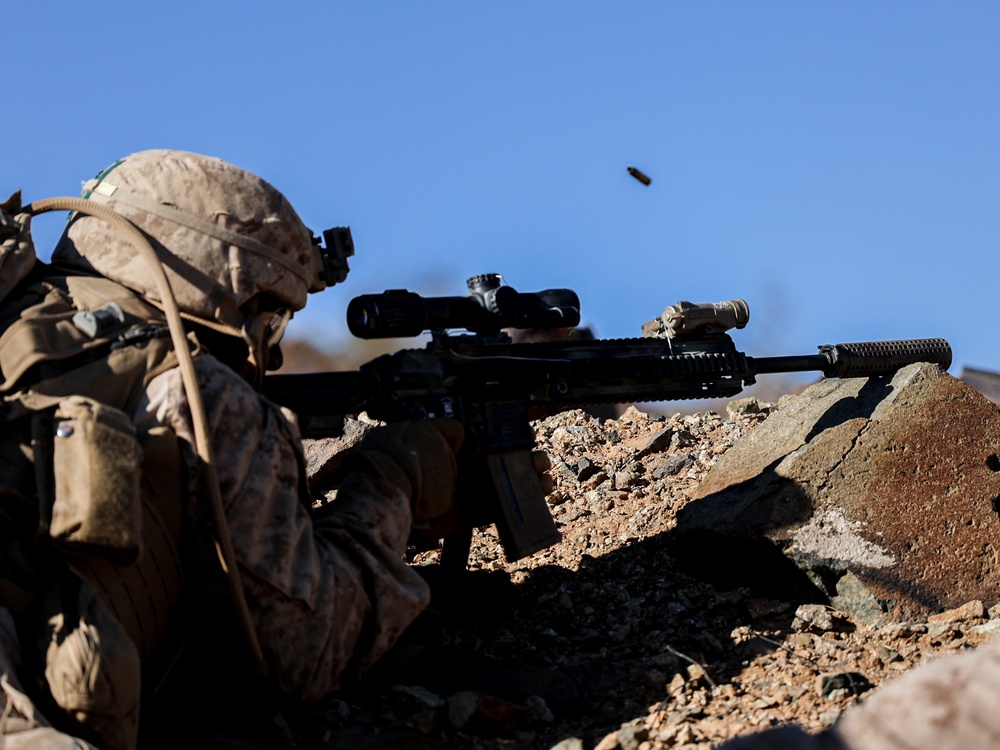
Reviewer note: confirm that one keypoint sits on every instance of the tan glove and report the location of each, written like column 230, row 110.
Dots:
column 17, row 252
column 419, row 458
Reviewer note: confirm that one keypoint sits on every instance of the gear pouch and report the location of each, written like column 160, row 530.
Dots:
column 97, row 462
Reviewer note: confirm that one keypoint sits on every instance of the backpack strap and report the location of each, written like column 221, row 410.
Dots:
column 90, row 337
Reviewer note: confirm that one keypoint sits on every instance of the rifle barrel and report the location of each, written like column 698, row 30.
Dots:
column 861, row 360
column 798, row 363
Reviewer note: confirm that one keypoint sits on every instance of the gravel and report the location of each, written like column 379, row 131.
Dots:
column 604, row 640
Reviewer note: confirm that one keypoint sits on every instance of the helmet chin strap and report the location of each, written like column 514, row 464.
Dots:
column 255, row 366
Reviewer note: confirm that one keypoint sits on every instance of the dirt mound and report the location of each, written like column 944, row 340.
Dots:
column 613, row 638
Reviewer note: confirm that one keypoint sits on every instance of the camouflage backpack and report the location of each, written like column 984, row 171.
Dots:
column 75, row 355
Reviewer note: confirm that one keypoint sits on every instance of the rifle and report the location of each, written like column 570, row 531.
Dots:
column 496, row 387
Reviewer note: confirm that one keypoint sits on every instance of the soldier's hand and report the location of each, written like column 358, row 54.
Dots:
column 419, row 457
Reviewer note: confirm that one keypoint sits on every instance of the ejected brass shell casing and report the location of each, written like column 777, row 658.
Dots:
column 639, row 175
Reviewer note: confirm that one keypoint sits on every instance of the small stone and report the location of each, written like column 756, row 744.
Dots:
column 676, row 684
column 800, row 640
column 540, row 709
column 857, row 600
column 938, row 630
column 585, row 468
column 659, row 442
column 684, row 734
column 974, row 610
column 461, row 707
column 696, row 672
column 887, row 655
column 829, row 716
column 625, row 478
column 671, row 466
column 633, row 415
column 852, row 683
column 813, row 616
column 421, row 694
column 990, row 628
column 903, row 629
column 425, row 721
column 629, row 738
column 743, row 406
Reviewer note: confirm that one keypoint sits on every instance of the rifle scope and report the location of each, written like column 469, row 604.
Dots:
column 489, row 307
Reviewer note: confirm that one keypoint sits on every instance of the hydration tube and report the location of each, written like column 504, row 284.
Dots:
column 202, row 442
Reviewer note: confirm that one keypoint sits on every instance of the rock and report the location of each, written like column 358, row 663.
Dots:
column 461, row 707
column 853, row 597
column 990, row 628
column 658, row 442
column 626, row 738
column 893, row 480
column 813, row 617
column 627, row 477
column 540, row 709
column 941, row 630
column 629, row 738
column 741, row 406
column 973, row 610
column 887, row 655
column 672, row 465
column 421, row 694
column 852, row 683
column 585, row 469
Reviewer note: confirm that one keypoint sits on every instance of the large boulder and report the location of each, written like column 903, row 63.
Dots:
column 884, row 492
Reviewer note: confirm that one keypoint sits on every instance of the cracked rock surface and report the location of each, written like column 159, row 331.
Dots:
column 893, row 480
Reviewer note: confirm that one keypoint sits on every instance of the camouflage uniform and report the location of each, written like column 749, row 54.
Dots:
column 323, row 582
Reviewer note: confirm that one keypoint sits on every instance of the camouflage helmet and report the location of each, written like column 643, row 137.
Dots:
column 224, row 236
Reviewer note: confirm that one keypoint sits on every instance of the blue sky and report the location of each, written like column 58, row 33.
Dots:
column 837, row 165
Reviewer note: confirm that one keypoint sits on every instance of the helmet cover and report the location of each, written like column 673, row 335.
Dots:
column 223, row 235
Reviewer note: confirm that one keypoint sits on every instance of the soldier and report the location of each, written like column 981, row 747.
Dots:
column 135, row 556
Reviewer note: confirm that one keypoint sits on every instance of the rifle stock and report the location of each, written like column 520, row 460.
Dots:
column 496, row 388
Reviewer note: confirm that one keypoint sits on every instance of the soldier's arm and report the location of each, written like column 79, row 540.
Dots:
column 328, row 594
